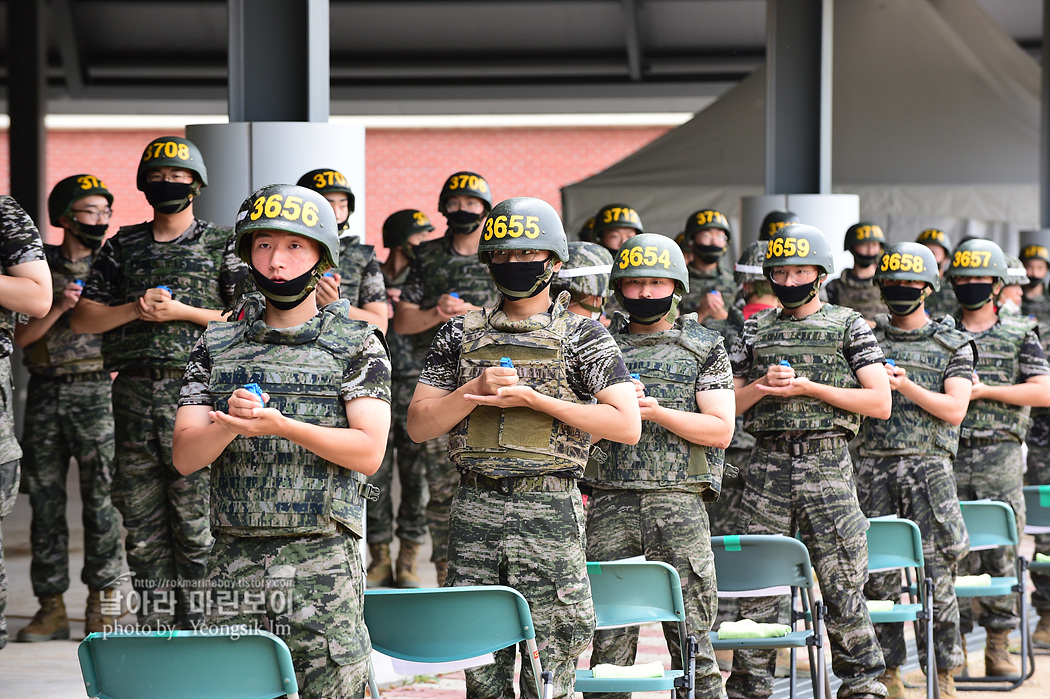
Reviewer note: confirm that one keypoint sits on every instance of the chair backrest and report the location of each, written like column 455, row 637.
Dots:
column 1037, row 505
column 989, row 523
column 255, row 665
column 635, row 592
column 448, row 623
column 759, row 562
column 893, row 543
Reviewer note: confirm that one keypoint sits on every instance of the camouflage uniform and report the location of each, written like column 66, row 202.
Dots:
column 361, row 280
column 411, row 458
column 649, row 498
column 300, row 538
column 862, row 295
column 517, row 518
column 703, row 283
column 438, row 269
column 989, row 462
column 69, row 414
column 165, row 514
column 942, row 303
column 1038, row 441
column 801, row 479
column 20, row 244
column 906, row 470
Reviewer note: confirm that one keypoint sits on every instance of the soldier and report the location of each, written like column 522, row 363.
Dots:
column 25, row 289
column 445, row 280
column 517, row 517
column 613, row 224
column 774, row 221
column 905, row 467
column 69, row 415
column 805, row 376
column 1035, row 254
column 943, row 302
column 649, row 499
column 403, row 231
column 708, row 234
column 1011, row 296
column 854, row 288
column 320, row 425
column 151, row 290
column 586, row 277
column 1012, row 375
column 357, row 278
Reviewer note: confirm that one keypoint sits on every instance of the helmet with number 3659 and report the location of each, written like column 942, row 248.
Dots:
column 292, row 209
column 798, row 244
column 523, row 223
column 909, row 261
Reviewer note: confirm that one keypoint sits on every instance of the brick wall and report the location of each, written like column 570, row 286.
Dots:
column 405, row 168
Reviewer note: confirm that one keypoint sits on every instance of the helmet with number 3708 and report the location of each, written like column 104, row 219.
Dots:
column 171, row 151
column 909, row 261
column 798, row 244
column 523, row 223
column 292, row 209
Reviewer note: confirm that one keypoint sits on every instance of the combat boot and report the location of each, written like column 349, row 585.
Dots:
column 1041, row 636
column 997, row 661
column 894, row 683
column 441, row 566
column 380, row 571
column 946, row 683
column 405, row 573
column 50, row 621
column 94, row 620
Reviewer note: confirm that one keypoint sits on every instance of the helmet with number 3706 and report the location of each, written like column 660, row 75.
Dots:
column 292, row 209
column 326, row 180
column 798, row 244
column 909, row 261
column 523, row 223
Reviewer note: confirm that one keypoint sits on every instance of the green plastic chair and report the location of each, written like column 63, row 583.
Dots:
column 440, row 625
column 179, row 664
column 630, row 593
column 765, row 566
column 991, row 524
column 1037, row 517
column 895, row 543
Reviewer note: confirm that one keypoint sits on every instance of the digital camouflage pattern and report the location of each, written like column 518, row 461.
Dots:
column 531, row 540
column 19, row 244
column 200, row 267
column 361, row 280
column 862, row 295
column 919, row 487
column 702, row 283
column 668, row 526
column 8, row 495
column 586, row 273
column 942, row 303
column 308, row 590
column 1039, row 474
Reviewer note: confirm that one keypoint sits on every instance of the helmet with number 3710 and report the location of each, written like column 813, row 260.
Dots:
column 977, row 257
column 798, row 244
column 292, row 209
column 523, row 223
column 909, row 261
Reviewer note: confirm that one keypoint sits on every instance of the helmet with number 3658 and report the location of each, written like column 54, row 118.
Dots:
column 523, row 223
column 909, row 261
column 798, row 244
column 292, row 209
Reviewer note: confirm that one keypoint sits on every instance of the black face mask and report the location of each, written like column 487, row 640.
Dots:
column 647, row 311
column 902, row 300
column 708, row 253
column 288, row 294
column 973, row 296
column 1035, row 282
column 463, row 222
column 865, row 260
column 522, row 280
column 89, row 234
column 169, row 197
column 795, row 296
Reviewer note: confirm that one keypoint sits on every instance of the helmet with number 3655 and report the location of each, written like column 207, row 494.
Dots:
column 292, row 209
column 523, row 223
column 977, row 257
column 909, row 261
column 798, row 244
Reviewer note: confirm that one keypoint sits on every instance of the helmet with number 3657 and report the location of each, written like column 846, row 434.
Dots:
column 909, row 261
column 292, row 209
column 798, row 244
column 977, row 257
column 523, row 223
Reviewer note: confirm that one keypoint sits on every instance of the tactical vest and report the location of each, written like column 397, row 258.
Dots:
column 61, row 352
column 925, row 354
column 813, row 345
column 268, row 485
column 862, row 295
column 668, row 364
column 1038, row 307
column 353, row 259
column 519, row 441
column 999, row 364
column 190, row 266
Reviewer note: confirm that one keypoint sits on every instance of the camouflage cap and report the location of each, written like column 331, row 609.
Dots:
column 1015, row 271
column 586, row 273
column 749, row 266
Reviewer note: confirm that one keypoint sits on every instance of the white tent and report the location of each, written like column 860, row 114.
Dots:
column 935, row 123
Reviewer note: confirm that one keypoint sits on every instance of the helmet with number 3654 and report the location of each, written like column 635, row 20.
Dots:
column 292, row 209
column 909, row 261
column 798, row 244
column 523, row 223
column 651, row 255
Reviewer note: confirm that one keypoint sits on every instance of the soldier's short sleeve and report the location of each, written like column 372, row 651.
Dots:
column 231, row 273
column 961, row 363
column 101, row 283
column 594, row 359
column 717, row 372
column 20, row 242
column 1033, row 360
column 441, row 369
column 373, row 288
column 740, row 356
column 412, row 289
column 861, row 348
column 196, row 383
column 368, row 374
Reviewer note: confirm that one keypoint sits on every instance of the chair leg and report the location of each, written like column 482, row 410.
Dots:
column 373, row 687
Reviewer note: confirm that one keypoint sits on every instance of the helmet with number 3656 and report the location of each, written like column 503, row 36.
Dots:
column 798, row 244
column 523, row 223
column 909, row 261
column 292, row 209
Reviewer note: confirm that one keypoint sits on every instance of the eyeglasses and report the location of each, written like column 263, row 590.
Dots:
column 98, row 215
column 181, row 177
column 799, row 276
column 501, row 256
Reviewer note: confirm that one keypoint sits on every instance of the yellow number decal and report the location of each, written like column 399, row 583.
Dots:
column 293, row 208
column 649, row 255
column 905, row 263
column 636, row 257
column 319, row 180
column 664, row 259
column 789, row 247
column 273, row 206
column 532, row 227
column 803, row 247
column 624, row 258
column 89, row 182
column 310, row 214
column 421, row 219
column 515, row 227
column 169, row 149
column 257, row 209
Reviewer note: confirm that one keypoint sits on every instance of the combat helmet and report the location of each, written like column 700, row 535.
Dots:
column 586, row 273
column 524, row 223
column 651, row 255
column 172, row 151
column 326, row 180
column 292, row 209
column 402, row 225
column 774, row 221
